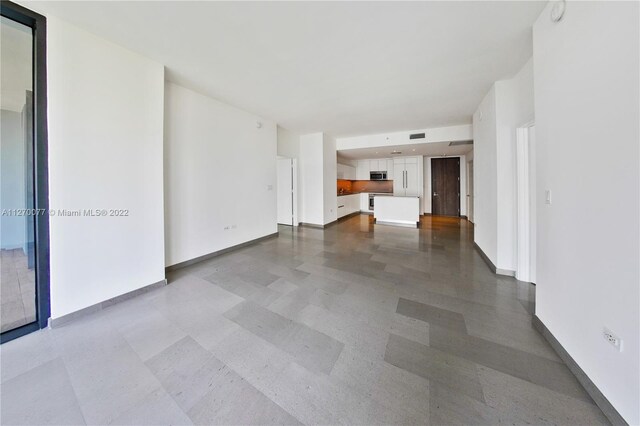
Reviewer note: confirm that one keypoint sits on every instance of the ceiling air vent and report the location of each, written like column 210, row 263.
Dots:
column 396, row 152
column 417, row 136
column 458, row 143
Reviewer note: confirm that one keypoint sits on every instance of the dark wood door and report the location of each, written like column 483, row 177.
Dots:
column 445, row 186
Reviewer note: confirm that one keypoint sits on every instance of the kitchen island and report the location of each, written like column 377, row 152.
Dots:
column 397, row 210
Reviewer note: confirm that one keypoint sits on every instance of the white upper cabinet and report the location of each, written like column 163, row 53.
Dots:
column 374, row 165
column 345, row 171
column 389, row 168
column 363, row 169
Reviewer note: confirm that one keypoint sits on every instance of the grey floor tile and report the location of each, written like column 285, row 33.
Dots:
column 354, row 324
column 41, row 396
column 158, row 408
column 283, row 286
column 530, row 403
column 436, row 366
column 109, row 379
column 187, row 371
column 150, row 333
column 449, row 407
column 21, row 355
column 220, row 405
column 325, row 283
column 431, row 314
column 310, row 348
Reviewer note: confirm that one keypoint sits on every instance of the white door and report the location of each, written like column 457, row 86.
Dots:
column 285, row 191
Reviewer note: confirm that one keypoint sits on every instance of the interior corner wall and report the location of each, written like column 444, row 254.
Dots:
column 514, row 108
column 289, row 147
column 105, row 114
column 329, row 176
column 507, row 106
column 220, row 175
column 485, row 176
column 311, row 167
column 587, row 111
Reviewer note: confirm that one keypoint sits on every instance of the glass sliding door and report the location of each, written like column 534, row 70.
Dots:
column 24, row 278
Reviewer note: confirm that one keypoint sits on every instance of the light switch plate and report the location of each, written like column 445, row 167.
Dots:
column 547, row 196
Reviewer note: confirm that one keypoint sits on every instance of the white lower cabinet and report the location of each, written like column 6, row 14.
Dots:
column 364, row 202
column 348, row 204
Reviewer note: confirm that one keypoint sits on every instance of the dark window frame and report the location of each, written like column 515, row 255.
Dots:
column 41, row 170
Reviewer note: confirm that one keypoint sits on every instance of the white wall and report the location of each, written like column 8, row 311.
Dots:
column 469, row 185
column 288, row 143
column 329, row 174
column 514, row 108
column 220, row 172
column 318, row 174
column 12, row 179
column 485, row 172
column 312, row 178
column 438, row 134
column 105, row 152
column 508, row 105
column 426, row 199
column 587, row 132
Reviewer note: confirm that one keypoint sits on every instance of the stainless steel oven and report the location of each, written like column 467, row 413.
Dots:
column 371, row 197
column 380, row 175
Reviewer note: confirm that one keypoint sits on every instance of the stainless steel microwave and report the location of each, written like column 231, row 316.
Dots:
column 382, row 175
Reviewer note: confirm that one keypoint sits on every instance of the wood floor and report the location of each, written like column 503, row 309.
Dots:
column 354, row 324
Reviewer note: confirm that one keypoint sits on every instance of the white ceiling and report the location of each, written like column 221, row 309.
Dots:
column 345, row 68
column 429, row 149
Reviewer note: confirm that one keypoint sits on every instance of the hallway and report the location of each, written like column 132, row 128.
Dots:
column 357, row 323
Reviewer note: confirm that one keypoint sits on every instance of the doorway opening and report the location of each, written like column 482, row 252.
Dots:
column 24, row 228
column 445, row 186
column 526, row 204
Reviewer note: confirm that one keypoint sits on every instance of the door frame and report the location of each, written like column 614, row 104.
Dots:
column 41, row 171
column 469, row 189
column 525, row 203
column 293, row 166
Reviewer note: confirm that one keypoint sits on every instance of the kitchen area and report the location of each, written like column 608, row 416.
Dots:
column 390, row 189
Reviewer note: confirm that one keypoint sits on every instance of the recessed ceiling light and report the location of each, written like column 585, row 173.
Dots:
column 414, row 149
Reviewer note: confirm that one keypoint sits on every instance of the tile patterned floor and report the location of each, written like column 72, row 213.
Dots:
column 355, row 324
column 17, row 290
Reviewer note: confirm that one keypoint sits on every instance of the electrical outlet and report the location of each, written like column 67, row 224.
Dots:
column 614, row 340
